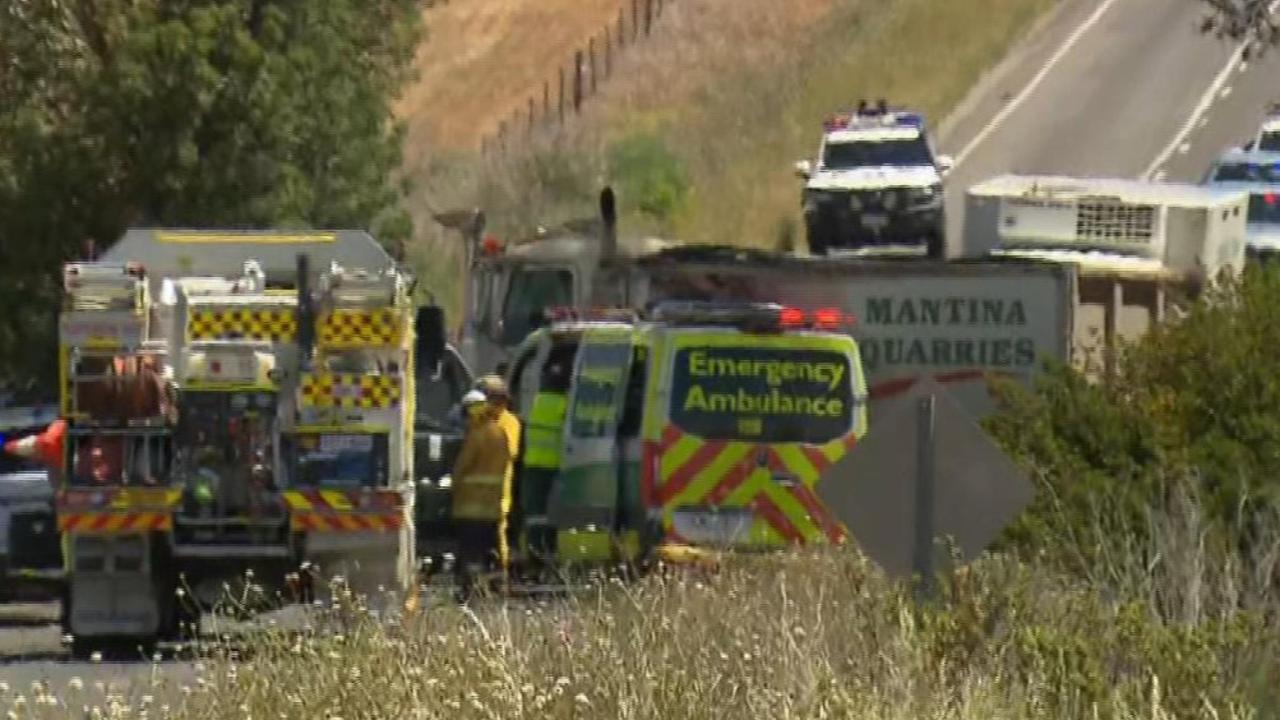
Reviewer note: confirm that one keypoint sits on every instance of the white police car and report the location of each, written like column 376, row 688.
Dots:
column 1267, row 139
column 876, row 184
column 1259, row 173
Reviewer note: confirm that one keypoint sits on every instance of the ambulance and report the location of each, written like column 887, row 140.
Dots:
column 698, row 424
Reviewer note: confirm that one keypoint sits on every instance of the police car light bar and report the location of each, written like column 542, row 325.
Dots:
column 864, row 118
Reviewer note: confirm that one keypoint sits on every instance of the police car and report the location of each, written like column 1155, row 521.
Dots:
column 1258, row 172
column 876, row 184
column 1267, row 139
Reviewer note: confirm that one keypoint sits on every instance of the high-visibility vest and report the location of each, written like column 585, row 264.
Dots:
column 544, row 430
column 478, row 497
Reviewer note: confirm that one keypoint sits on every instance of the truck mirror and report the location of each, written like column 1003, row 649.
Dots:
column 945, row 163
column 803, row 169
column 431, row 336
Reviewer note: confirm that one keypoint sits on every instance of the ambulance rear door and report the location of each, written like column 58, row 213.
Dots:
column 586, row 493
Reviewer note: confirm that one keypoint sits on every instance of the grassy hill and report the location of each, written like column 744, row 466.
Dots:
column 699, row 126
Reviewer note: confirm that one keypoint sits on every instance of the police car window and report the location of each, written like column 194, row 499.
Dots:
column 530, row 293
column 1247, row 172
column 1270, row 141
column 1264, row 208
column 871, row 153
column 762, row 394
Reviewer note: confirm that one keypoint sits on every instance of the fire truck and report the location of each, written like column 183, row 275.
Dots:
column 250, row 431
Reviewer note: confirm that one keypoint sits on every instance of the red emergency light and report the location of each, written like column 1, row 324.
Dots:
column 1270, row 198
column 821, row 319
column 791, row 317
column 490, row 246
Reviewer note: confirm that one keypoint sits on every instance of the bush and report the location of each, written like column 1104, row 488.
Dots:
column 1191, row 412
column 650, row 177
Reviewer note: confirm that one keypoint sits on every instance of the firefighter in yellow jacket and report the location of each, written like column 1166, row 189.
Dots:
column 479, row 490
column 495, row 390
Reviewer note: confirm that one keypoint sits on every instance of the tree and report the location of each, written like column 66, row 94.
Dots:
column 230, row 113
column 1194, row 403
column 1243, row 20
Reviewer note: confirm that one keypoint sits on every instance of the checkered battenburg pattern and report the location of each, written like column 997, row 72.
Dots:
column 350, row 390
column 360, row 328
column 276, row 325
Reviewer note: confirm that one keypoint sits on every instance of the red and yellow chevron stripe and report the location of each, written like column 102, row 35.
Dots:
column 344, row 510
column 114, row 523
column 682, row 470
column 345, row 522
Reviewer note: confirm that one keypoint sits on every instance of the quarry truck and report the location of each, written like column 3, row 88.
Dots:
column 1069, row 268
column 240, row 412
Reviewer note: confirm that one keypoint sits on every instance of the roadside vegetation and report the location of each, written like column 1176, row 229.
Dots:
column 1142, row 584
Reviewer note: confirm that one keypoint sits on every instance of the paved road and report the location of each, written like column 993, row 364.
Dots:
column 31, row 651
column 1103, row 89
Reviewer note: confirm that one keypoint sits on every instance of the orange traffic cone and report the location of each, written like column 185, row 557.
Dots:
column 45, row 448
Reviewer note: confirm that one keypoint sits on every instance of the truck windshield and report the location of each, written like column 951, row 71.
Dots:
column 1269, row 141
column 873, row 153
column 530, row 294
column 338, row 460
column 1264, row 208
column 762, row 394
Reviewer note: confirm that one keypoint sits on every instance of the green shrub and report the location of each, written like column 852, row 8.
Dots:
column 650, row 177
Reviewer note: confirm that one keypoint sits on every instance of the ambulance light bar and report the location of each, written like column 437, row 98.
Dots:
column 571, row 314
column 760, row 317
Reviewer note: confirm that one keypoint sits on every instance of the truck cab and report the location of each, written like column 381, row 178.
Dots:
column 512, row 287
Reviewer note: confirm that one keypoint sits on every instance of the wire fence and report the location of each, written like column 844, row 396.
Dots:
column 582, row 77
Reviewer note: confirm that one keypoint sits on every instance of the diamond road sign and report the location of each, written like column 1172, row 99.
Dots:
column 977, row 491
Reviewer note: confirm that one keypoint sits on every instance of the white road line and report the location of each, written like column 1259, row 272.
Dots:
column 1013, row 104
column 1202, row 107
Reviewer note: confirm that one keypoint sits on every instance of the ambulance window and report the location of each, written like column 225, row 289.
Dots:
column 762, row 394
column 531, row 292
column 633, row 407
column 594, row 411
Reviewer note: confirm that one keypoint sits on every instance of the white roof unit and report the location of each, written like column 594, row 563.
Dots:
column 103, row 286
column 1111, row 225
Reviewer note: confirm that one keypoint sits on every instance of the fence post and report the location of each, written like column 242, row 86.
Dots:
column 531, row 112
column 577, row 80
column 546, row 99
column 622, row 28
column 591, row 64
column 635, row 20
column 562, row 95
column 648, row 17
column 608, row 53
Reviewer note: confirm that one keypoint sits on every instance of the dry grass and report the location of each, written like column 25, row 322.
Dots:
column 1179, row 629
column 484, row 58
